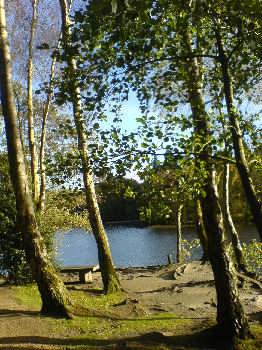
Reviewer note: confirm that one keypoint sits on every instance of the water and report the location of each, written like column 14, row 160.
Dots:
column 130, row 246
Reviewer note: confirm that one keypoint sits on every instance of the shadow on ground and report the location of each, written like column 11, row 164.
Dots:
column 153, row 340
column 15, row 313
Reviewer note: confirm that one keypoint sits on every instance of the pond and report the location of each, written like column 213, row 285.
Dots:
column 130, row 246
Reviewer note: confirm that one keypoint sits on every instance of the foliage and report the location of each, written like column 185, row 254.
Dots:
column 118, row 198
column 61, row 213
column 55, row 218
column 58, row 215
column 188, row 248
column 166, row 185
column 12, row 256
column 141, row 47
column 253, row 256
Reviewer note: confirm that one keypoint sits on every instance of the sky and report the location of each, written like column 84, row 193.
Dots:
column 19, row 30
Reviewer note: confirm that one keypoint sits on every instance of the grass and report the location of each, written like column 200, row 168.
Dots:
column 97, row 302
column 28, row 295
column 142, row 333
column 99, row 327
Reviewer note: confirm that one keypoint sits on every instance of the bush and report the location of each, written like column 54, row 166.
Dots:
column 253, row 255
column 12, row 257
column 13, row 263
column 58, row 217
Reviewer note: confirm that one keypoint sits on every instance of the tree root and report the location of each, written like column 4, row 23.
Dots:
column 79, row 310
column 246, row 278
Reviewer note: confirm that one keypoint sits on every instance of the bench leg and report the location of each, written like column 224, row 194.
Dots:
column 85, row 277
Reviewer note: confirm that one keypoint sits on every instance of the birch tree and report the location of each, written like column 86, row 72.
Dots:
column 153, row 46
column 109, row 276
column 55, row 298
column 30, row 108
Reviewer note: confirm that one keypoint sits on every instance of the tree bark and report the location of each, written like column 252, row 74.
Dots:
column 42, row 166
column 231, row 319
column 55, row 298
column 20, row 124
column 109, row 276
column 200, row 229
column 30, row 109
column 240, row 259
column 230, row 314
column 237, row 139
column 179, row 233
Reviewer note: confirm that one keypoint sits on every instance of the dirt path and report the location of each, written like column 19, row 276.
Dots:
column 186, row 293
column 17, row 321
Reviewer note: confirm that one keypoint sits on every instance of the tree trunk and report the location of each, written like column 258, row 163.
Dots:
column 236, row 135
column 109, row 276
column 240, row 260
column 20, row 126
column 200, row 229
column 179, row 233
column 30, row 110
column 231, row 319
column 230, row 315
column 55, row 298
column 42, row 169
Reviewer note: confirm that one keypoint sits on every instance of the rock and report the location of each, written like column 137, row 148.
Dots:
column 159, row 308
column 180, row 270
column 192, row 308
column 144, row 276
column 130, row 277
column 134, row 301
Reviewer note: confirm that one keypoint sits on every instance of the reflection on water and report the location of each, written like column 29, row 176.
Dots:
column 130, row 246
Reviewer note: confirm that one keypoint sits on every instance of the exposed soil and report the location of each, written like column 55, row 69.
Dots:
column 186, row 291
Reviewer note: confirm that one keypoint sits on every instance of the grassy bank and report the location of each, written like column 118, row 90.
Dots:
column 159, row 331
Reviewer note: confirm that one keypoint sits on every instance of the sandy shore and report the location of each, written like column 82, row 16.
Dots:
column 187, row 290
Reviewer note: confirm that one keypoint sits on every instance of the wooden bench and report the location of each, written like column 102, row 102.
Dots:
column 85, row 272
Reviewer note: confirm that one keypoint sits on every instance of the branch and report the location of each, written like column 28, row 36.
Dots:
column 230, row 54
column 175, row 154
column 171, row 58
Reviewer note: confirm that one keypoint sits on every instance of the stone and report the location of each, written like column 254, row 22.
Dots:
column 85, row 277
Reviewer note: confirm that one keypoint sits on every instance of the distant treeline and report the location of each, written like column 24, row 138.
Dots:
column 123, row 199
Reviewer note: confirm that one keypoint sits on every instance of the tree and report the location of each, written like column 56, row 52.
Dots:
column 240, row 260
column 236, row 134
column 200, row 229
column 46, row 109
column 230, row 315
column 109, row 276
column 55, row 298
column 34, row 34
column 234, row 32
column 151, row 44
column 30, row 111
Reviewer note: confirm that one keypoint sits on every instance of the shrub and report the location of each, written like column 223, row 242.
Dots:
column 13, row 262
column 12, row 257
column 253, row 256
